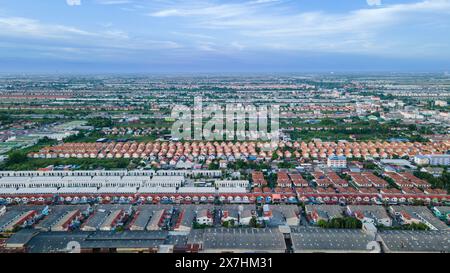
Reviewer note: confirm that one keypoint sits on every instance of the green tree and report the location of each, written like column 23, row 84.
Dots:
column 213, row 166
column 74, row 138
column 100, row 122
column 17, row 157
column 418, row 226
column 322, row 223
column 275, row 156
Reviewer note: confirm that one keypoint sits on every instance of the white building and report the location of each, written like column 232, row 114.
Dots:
column 204, row 217
column 77, row 173
column 337, row 162
column 231, row 183
column 439, row 160
column 245, row 216
column 434, row 160
column 135, row 181
column 229, row 215
column 421, row 160
column 194, row 173
column 376, row 215
column 441, row 103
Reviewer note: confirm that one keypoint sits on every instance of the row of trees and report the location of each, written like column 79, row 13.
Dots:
column 253, row 223
column 20, row 156
column 442, row 182
column 18, row 161
column 412, row 226
column 344, row 222
column 241, row 164
column 100, row 122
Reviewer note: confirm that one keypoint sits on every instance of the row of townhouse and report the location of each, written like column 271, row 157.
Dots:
column 90, row 181
column 223, row 150
column 120, row 173
column 407, row 180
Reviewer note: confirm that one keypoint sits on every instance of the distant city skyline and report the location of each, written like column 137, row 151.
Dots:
column 131, row 36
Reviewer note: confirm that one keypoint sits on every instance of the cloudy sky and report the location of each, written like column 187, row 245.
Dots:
column 224, row 36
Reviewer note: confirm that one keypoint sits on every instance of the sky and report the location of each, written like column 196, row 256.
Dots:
column 84, row 36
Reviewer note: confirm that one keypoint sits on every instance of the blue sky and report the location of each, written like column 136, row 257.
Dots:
column 224, row 36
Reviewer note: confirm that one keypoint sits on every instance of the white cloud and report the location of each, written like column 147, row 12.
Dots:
column 30, row 29
column 362, row 30
column 237, row 45
column 113, row 2
column 73, row 2
column 255, row 26
column 374, row 2
column 25, row 27
column 263, row 1
column 219, row 11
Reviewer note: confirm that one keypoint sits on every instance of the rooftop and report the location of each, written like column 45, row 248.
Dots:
column 415, row 241
column 329, row 240
column 239, row 239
